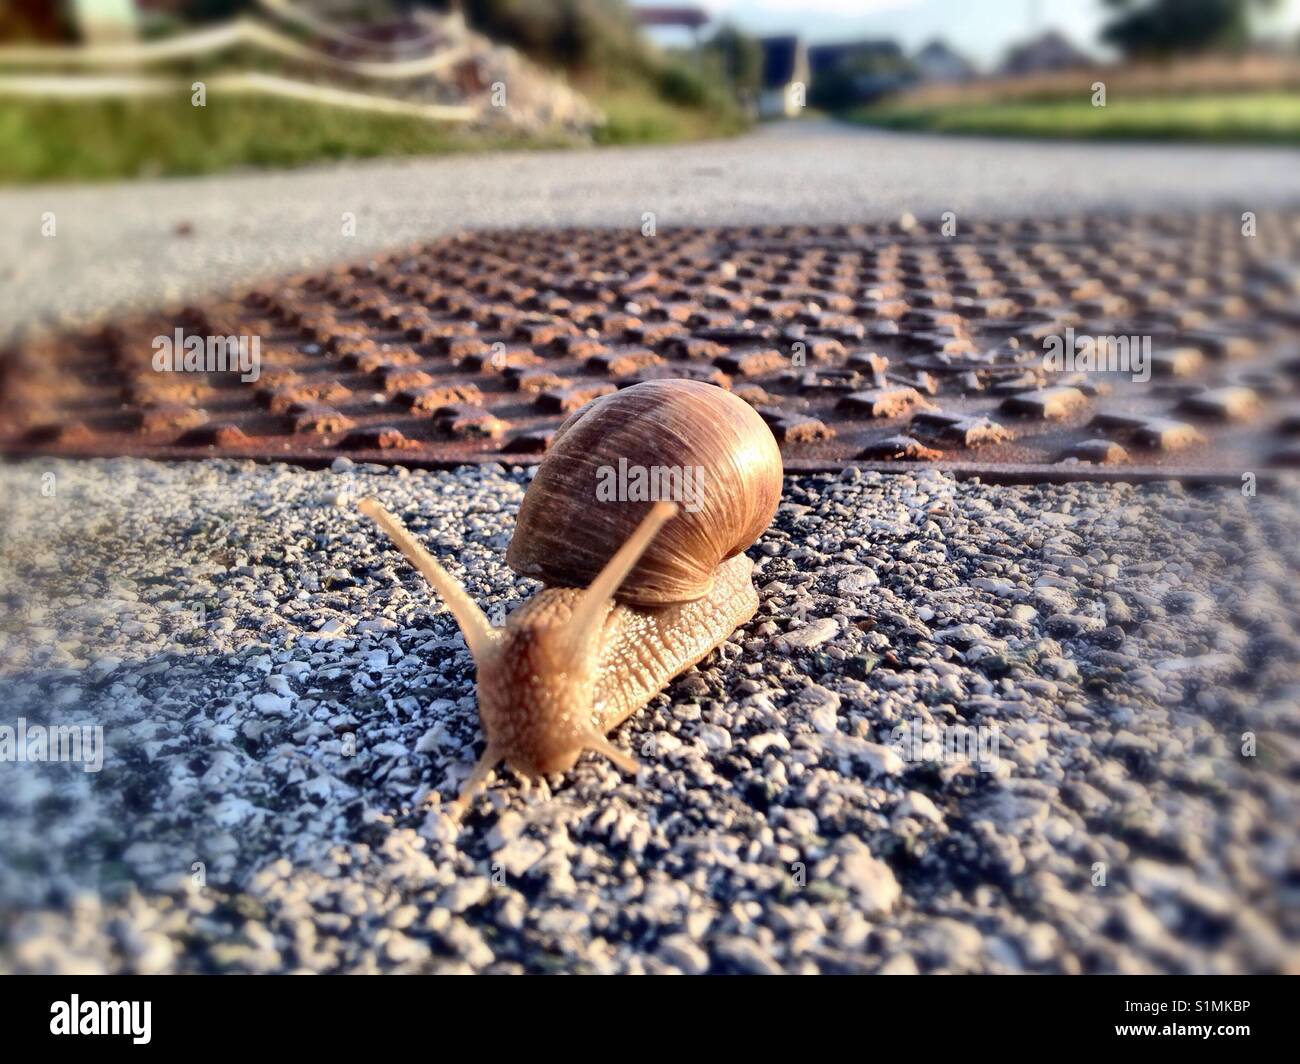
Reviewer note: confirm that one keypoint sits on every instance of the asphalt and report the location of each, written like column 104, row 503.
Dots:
column 150, row 242
column 971, row 729
column 285, row 711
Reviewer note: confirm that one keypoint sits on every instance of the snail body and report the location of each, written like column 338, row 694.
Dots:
column 638, row 589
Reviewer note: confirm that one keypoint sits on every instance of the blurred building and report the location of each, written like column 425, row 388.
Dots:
column 691, row 18
column 938, row 62
column 786, row 74
column 672, row 26
column 1043, row 55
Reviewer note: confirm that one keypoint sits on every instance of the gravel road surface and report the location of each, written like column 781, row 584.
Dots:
column 145, row 243
column 286, row 712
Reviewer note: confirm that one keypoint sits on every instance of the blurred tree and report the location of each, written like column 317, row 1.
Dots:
column 678, row 83
column 1166, row 27
column 737, row 58
column 849, row 74
column 583, row 36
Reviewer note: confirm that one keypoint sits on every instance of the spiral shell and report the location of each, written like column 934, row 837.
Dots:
column 611, row 460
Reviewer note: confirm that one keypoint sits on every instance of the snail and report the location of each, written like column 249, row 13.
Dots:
column 636, row 521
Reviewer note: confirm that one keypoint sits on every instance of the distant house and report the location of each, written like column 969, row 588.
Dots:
column 785, row 77
column 1042, row 55
column 692, row 18
column 937, row 62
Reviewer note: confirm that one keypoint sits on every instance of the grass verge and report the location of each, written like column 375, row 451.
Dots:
column 96, row 140
column 633, row 116
column 104, row 139
column 1266, row 118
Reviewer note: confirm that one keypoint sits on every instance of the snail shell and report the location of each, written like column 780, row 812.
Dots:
column 705, row 436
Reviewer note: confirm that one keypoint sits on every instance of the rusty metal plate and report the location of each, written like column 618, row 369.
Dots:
column 882, row 346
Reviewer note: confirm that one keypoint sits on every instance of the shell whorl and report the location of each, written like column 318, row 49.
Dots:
column 705, row 437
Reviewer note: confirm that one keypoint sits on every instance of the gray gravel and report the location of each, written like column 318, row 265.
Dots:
column 118, row 245
column 298, row 736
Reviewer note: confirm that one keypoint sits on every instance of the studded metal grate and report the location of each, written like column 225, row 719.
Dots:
column 871, row 345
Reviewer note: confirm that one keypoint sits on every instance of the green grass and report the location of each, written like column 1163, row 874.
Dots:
column 1271, row 118
column 633, row 116
column 112, row 139
column 103, row 139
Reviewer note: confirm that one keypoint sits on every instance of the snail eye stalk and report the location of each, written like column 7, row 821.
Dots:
column 479, row 634
column 590, row 611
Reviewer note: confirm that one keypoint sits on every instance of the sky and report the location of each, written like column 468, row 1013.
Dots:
column 981, row 29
